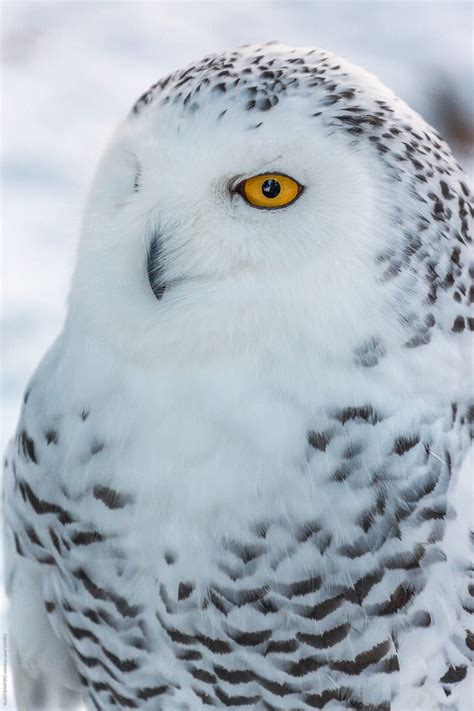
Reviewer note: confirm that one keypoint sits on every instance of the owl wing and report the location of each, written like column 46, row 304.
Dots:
column 43, row 672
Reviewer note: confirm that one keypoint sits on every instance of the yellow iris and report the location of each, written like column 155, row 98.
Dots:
column 270, row 190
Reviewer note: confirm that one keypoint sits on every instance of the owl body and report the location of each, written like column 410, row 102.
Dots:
column 237, row 478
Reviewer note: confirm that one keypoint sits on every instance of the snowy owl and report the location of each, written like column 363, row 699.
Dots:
column 239, row 474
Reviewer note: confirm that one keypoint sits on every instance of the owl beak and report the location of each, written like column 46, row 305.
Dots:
column 155, row 268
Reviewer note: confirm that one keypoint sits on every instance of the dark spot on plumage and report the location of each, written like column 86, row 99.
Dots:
column 276, row 688
column 47, row 560
column 365, row 413
column 322, row 609
column 388, row 666
column 358, row 548
column 111, row 498
column 363, row 660
column 369, row 353
column 266, row 606
column 318, row 440
column 284, row 646
column 219, row 603
column 246, row 552
column 301, row 588
column 342, row 472
column 51, row 437
column 32, row 535
column 97, row 592
column 406, row 560
column 206, row 698
column 96, row 447
column 91, row 615
column 323, row 541
column 327, row 639
column 234, row 676
column 189, row 655
column 251, row 639
column 54, row 539
column 454, row 675
column 185, row 590
column 82, row 633
column 303, row 666
column 459, row 324
column 433, row 512
column 359, row 591
column 124, row 665
column 203, row 675
column 124, row 608
column 170, row 558
column 308, row 529
column 85, row 414
column 86, row 538
column 235, row 700
column 400, row 598
column 319, row 701
column 28, row 446
column 222, row 114
column 151, row 692
column 50, row 606
column 404, row 444
column 218, row 646
column 437, row 531
column 43, row 507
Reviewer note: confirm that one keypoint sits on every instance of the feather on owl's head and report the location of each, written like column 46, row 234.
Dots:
column 270, row 197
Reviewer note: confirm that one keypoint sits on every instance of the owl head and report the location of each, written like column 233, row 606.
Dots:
column 272, row 200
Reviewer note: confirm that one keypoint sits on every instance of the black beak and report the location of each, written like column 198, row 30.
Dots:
column 155, row 268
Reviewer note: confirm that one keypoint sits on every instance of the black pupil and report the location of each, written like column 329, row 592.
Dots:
column 271, row 188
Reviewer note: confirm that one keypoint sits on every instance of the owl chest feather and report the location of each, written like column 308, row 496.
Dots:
column 206, row 550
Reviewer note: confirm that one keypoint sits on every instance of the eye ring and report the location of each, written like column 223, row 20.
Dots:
column 285, row 188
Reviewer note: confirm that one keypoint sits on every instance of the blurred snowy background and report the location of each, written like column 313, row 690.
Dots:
column 72, row 70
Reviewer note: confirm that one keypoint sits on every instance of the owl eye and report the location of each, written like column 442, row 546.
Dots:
column 270, row 190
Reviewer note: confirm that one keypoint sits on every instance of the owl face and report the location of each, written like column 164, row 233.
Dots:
column 249, row 200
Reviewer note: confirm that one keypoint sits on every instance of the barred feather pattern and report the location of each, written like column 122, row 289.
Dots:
column 296, row 612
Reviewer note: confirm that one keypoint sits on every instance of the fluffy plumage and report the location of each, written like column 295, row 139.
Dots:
column 237, row 479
